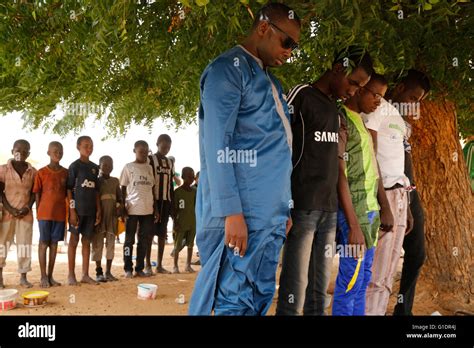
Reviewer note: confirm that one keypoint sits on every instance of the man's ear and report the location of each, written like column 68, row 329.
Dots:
column 399, row 88
column 262, row 27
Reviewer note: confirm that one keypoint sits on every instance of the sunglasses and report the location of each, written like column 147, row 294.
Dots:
column 288, row 42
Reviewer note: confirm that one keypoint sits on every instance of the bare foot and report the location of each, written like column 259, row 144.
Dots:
column 52, row 282
column 25, row 283
column 88, row 280
column 189, row 269
column 162, row 270
column 110, row 277
column 71, row 280
column 44, row 282
column 175, row 269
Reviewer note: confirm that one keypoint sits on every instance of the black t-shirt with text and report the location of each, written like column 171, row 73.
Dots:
column 84, row 183
column 315, row 153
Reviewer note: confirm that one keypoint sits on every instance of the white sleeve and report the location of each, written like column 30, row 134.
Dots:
column 125, row 176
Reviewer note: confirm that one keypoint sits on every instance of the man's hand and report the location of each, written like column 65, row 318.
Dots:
column 157, row 216
column 73, row 220
column 386, row 219
column 98, row 217
column 22, row 212
column 289, row 224
column 236, row 233
column 356, row 237
column 409, row 221
column 124, row 214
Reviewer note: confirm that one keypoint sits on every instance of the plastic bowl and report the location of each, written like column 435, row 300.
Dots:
column 35, row 298
column 8, row 299
column 147, row 291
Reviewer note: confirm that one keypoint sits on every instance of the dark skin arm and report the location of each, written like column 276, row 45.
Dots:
column 356, row 237
column 8, row 207
column 374, row 139
column 124, row 196
column 386, row 216
column 409, row 214
column 155, row 207
column 37, row 199
column 27, row 209
column 73, row 219
column 119, row 200
column 98, row 213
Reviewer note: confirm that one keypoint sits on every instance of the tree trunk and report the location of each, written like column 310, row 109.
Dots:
column 442, row 181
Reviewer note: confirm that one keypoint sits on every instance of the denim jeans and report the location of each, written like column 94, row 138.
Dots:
column 307, row 261
column 145, row 227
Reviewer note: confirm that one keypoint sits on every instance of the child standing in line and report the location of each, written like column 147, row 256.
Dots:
column 50, row 191
column 16, row 182
column 137, row 183
column 111, row 203
column 185, row 218
column 84, row 208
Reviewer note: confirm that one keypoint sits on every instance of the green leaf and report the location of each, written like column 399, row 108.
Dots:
column 427, row 6
column 202, row 3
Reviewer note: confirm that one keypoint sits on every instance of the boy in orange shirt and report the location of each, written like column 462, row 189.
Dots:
column 50, row 191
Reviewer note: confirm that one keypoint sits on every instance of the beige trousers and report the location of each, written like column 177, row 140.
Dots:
column 387, row 255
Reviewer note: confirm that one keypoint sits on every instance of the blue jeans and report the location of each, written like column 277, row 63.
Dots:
column 307, row 261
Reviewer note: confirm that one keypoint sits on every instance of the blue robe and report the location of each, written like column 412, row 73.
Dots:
column 245, row 150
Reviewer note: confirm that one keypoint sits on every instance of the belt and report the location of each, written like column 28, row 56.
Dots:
column 396, row 186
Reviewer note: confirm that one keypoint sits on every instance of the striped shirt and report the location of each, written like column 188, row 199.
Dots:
column 164, row 172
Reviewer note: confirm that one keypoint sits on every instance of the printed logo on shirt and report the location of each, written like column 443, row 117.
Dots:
column 142, row 181
column 89, row 184
column 326, row 137
column 161, row 170
column 397, row 127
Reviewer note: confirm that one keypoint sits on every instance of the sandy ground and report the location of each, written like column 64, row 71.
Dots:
column 120, row 297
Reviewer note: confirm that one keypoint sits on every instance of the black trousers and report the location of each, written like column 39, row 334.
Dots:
column 415, row 254
column 145, row 226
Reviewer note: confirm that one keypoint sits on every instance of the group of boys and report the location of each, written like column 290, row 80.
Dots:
column 339, row 155
column 93, row 201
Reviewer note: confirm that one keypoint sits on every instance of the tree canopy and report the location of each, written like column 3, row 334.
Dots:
column 133, row 61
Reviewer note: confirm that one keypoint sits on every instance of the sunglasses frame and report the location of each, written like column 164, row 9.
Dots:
column 288, row 42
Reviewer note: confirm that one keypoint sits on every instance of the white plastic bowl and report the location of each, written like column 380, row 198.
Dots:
column 8, row 299
column 147, row 291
